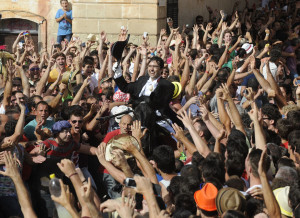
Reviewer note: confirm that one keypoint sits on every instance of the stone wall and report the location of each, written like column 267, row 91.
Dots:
column 94, row 16
column 138, row 16
column 189, row 9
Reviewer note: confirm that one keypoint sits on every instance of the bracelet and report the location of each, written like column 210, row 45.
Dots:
column 73, row 174
column 207, row 71
column 267, row 34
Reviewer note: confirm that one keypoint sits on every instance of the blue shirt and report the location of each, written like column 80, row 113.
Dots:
column 64, row 27
column 30, row 128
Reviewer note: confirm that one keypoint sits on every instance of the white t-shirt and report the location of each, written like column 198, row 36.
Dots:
column 273, row 69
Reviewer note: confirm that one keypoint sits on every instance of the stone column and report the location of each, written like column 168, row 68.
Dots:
column 138, row 16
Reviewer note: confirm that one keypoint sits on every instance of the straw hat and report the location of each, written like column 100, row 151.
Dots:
column 230, row 199
column 117, row 142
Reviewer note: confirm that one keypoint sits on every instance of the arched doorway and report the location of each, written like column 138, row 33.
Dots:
column 11, row 27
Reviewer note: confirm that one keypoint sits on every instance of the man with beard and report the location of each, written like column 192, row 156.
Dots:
column 61, row 146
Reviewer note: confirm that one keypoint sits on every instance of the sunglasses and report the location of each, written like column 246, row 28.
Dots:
column 77, row 121
column 35, row 69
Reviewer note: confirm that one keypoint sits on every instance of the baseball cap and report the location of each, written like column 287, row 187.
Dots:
column 205, row 198
column 230, row 199
column 248, row 47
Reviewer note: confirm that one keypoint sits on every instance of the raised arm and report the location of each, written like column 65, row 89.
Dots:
column 260, row 138
column 224, row 56
column 102, row 38
column 143, row 53
column 20, row 125
column 220, row 40
column 207, row 29
column 233, row 109
column 55, row 101
column 8, row 86
column 102, row 70
column 201, row 146
column 136, row 66
column 92, row 125
column 179, row 135
column 224, row 118
column 195, row 36
column 113, row 171
column 42, row 83
column 80, row 92
column 68, row 168
column 14, row 47
column 12, row 171
column 269, row 198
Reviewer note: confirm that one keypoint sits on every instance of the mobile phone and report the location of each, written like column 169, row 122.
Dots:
column 145, row 34
column 169, row 19
column 20, row 44
column 25, row 33
column 246, row 92
column 129, row 182
column 187, row 26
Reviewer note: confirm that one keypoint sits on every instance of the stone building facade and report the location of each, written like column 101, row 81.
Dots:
column 94, row 16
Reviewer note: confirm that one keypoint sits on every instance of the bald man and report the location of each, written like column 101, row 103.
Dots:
column 125, row 127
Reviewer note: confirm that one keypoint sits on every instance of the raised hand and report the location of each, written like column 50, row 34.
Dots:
column 129, row 146
column 67, row 167
column 143, row 185
column 252, row 62
column 101, row 153
column 163, row 32
column 226, row 93
column 119, row 159
column 66, row 198
column 204, row 113
column 126, row 209
column 86, row 81
column 249, row 94
column 262, row 163
column 186, row 119
column 178, row 40
column 10, row 67
column 102, row 36
column 86, row 191
column 179, row 134
column 209, row 27
column 136, row 130
column 11, row 165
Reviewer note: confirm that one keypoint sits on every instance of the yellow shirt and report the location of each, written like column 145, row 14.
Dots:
column 54, row 74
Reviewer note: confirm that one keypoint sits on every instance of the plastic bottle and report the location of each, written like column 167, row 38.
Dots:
column 54, row 188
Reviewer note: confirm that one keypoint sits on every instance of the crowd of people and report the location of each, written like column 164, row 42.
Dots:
column 205, row 123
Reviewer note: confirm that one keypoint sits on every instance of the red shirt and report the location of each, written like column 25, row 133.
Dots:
column 285, row 145
column 111, row 134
